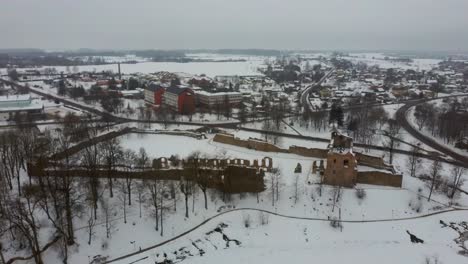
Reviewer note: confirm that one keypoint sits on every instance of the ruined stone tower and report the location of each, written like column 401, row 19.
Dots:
column 341, row 169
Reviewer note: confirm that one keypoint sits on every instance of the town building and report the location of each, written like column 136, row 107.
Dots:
column 180, row 99
column 154, row 94
column 11, row 105
column 212, row 99
column 132, row 94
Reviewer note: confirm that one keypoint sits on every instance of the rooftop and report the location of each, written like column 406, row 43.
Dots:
column 177, row 89
column 214, row 94
column 15, row 98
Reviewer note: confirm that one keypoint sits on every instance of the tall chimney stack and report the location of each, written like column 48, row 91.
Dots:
column 120, row 74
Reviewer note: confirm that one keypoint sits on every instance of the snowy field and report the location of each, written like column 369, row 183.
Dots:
column 284, row 240
column 279, row 239
column 379, row 59
column 211, row 69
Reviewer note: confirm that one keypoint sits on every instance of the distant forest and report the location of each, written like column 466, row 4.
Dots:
column 21, row 58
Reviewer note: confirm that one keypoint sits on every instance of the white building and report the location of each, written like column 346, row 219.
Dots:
column 212, row 99
column 12, row 104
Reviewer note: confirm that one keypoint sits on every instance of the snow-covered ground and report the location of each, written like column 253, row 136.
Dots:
column 281, row 238
column 372, row 59
column 211, row 69
column 412, row 121
column 131, row 108
column 285, row 240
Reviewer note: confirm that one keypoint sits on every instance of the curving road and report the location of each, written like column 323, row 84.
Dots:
column 401, row 116
column 305, row 94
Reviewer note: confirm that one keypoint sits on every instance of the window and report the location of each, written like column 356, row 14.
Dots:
column 334, row 161
column 346, row 163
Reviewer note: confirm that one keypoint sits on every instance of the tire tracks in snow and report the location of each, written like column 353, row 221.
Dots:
column 279, row 215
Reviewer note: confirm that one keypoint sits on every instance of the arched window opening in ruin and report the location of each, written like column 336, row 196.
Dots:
column 346, row 163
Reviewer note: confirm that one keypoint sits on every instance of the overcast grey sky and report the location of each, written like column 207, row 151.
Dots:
column 279, row 24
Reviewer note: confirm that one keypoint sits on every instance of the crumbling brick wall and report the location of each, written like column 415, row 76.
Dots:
column 231, row 179
column 230, row 140
column 308, row 152
column 380, row 178
column 250, row 143
column 372, row 161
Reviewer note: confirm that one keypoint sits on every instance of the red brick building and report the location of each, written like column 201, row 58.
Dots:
column 180, row 99
column 154, row 94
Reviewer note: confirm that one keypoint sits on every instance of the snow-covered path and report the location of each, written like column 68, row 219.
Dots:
column 231, row 214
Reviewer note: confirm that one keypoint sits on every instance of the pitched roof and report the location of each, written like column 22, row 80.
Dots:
column 154, row 87
column 178, row 89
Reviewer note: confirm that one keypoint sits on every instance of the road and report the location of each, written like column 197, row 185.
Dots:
column 401, row 116
column 110, row 117
column 305, row 94
column 361, row 145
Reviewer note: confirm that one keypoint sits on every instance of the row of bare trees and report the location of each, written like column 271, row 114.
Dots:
column 21, row 207
column 448, row 120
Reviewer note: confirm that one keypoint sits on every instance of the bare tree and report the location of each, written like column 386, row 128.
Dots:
column 90, row 227
column 163, row 115
column 22, row 215
column 423, row 113
column 336, row 192
column 434, row 176
column 11, row 158
column 186, row 188
column 140, row 187
column 414, row 160
column 107, row 212
column 201, row 178
column 173, row 193
column 163, row 192
column 131, row 158
column 154, row 200
column 27, row 139
column 393, row 135
column 268, row 131
column 2, row 258
column 296, row 188
column 91, row 159
column 457, row 179
column 112, row 153
column 275, row 177
column 432, row 260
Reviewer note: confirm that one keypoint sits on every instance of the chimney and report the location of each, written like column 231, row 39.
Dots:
column 120, row 75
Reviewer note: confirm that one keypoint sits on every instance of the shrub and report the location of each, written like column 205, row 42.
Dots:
column 335, row 223
column 247, row 221
column 263, row 218
column 360, row 194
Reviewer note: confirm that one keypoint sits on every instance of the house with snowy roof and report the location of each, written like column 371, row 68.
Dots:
column 13, row 104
